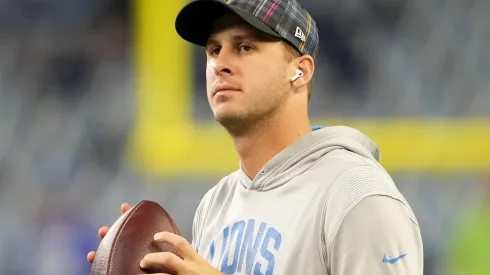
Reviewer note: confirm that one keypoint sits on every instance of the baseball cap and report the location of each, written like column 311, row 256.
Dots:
column 284, row 19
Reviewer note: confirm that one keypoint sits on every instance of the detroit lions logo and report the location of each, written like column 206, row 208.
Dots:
column 246, row 247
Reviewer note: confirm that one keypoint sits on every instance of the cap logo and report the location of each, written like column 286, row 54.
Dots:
column 299, row 33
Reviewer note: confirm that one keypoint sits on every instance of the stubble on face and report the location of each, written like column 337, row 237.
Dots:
column 261, row 106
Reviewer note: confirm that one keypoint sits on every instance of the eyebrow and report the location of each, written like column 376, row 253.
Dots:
column 237, row 37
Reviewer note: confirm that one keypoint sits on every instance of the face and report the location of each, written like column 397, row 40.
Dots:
column 247, row 75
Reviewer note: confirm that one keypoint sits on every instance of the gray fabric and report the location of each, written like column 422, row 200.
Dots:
column 295, row 216
column 375, row 227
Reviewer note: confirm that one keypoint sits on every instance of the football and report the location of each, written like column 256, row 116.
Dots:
column 130, row 238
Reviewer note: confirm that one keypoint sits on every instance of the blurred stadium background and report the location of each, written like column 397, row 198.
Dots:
column 101, row 103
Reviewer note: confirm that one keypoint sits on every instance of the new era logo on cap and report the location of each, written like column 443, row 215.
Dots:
column 299, row 34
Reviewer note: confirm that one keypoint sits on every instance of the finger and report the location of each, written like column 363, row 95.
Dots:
column 125, row 207
column 103, row 231
column 91, row 256
column 166, row 259
column 182, row 246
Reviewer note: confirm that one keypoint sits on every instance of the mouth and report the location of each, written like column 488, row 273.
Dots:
column 225, row 89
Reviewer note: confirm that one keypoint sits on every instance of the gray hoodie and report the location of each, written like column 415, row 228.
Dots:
column 323, row 205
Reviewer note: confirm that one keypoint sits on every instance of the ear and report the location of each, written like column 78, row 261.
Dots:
column 307, row 65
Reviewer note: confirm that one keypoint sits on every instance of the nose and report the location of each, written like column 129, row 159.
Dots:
column 223, row 65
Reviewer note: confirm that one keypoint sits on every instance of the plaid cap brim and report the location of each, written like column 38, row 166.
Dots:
column 195, row 21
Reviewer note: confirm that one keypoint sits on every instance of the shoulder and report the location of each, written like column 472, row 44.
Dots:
column 364, row 179
column 355, row 185
column 363, row 207
column 377, row 230
column 224, row 186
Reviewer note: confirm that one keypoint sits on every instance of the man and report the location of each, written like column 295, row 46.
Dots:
column 305, row 200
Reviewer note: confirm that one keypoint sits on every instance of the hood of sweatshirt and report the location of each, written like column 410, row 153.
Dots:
column 298, row 157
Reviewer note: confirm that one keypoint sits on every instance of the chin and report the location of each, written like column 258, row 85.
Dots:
column 229, row 117
column 237, row 122
column 226, row 109
column 225, row 114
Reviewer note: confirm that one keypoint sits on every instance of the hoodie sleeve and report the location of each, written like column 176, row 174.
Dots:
column 369, row 226
column 377, row 237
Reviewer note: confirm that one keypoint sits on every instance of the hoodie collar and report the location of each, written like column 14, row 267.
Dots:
column 303, row 153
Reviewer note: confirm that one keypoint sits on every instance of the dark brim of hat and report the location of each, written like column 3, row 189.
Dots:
column 195, row 21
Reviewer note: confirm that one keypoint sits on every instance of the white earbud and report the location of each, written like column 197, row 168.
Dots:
column 299, row 73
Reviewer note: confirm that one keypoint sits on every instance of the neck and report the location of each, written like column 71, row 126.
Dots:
column 261, row 144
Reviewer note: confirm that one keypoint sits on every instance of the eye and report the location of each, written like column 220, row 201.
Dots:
column 245, row 48
column 214, row 51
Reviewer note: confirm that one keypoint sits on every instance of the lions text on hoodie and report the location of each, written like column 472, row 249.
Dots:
column 323, row 205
